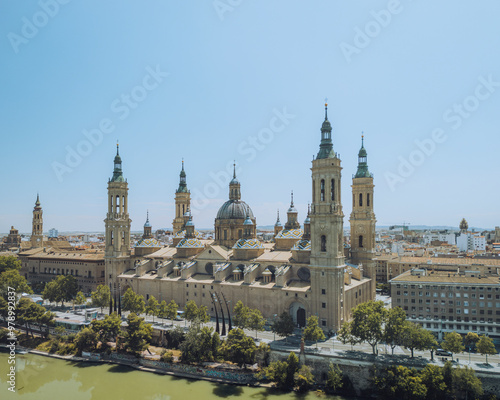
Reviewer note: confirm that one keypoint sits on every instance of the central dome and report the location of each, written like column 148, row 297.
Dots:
column 235, row 209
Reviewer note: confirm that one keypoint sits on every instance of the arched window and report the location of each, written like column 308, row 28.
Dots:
column 353, row 200
column 360, row 240
column 368, row 199
column 361, row 199
column 323, row 243
column 322, row 190
column 225, row 234
column 332, row 189
column 314, row 190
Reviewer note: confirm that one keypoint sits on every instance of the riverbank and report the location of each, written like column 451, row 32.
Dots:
column 158, row 367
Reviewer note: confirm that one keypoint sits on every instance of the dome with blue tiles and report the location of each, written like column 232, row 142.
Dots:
column 248, row 244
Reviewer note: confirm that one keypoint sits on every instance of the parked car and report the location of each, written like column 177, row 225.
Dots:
column 441, row 352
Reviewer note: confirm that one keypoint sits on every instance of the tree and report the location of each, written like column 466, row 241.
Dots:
column 470, row 340
column 203, row 316
column 432, row 377
column 9, row 263
column 240, row 315
column 52, row 292
column 414, row 337
column 108, row 328
column 400, row 383
column 276, row 373
column 485, row 346
column 133, row 302
column 282, row 373
column 465, row 384
column 334, row 378
column 48, row 320
column 255, row 320
column 239, row 348
column 100, row 297
column 283, row 325
column 345, row 336
column 453, row 343
column 312, row 331
column 13, row 280
column 190, row 311
column 172, row 309
column 85, row 340
column 68, row 287
column 175, row 337
column 162, row 310
column 393, row 328
column 292, row 367
column 23, row 313
column 200, row 345
column 79, row 299
column 367, row 320
column 138, row 334
column 304, row 378
column 152, row 307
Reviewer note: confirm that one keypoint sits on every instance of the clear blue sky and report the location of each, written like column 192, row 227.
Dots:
column 401, row 71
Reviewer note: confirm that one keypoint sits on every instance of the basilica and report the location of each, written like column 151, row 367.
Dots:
column 305, row 270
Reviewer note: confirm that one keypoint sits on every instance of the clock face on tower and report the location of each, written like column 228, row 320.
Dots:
column 361, row 229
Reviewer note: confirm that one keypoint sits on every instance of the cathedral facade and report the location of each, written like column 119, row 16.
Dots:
column 303, row 271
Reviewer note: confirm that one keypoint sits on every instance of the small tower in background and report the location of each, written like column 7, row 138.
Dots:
column 37, row 225
column 182, row 202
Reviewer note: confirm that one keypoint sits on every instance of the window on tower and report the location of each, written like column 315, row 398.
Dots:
column 332, row 189
column 368, row 199
column 361, row 199
column 360, row 240
column 323, row 243
column 225, row 234
column 322, row 190
column 314, row 190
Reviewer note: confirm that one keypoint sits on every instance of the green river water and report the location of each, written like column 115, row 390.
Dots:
column 45, row 378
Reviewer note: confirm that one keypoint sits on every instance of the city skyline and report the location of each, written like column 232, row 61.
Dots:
column 247, row 83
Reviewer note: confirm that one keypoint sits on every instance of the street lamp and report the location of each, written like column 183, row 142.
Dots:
column 274, row 332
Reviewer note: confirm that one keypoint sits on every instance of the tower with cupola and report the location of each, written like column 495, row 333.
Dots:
column 182, row 202
column 362, row 218
column 37, row 225
column 327, row 262
column 117, row 224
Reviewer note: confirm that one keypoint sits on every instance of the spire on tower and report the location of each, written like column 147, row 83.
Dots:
column 117, row 172
column 362, row 171
column 326, row 146
column 278, row 222
column 182, row 180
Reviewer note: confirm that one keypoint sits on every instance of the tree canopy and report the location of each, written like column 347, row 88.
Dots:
column 239, row 348
column 312, row 331
column 133, row 302
column 283, row 325
column 101, row 296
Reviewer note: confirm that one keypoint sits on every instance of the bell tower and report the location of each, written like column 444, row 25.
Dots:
column 363, row 218
column 37, row 225
column 327, row 262
column 117, row 223
column 182, row 202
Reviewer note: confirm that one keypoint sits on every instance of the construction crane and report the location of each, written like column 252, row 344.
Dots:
column 405, row 226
